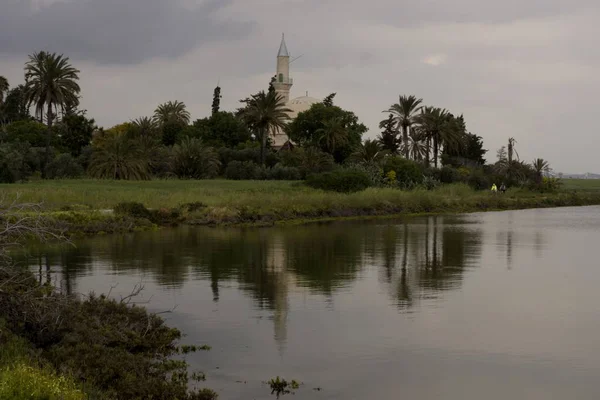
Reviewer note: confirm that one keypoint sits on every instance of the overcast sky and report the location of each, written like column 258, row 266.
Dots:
column 521, row 68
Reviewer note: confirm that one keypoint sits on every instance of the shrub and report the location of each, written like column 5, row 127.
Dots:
column 110, row 345
column 374, row 171
column 64, row 166
column 242, row 170
column 133, row 209
column 193, row 160
column 408, row 173
column 13, row 162
column 449, row 175
column 430, row 183
column 280, row 172
column 309, row 160
column 345, row 180
column 478, row 180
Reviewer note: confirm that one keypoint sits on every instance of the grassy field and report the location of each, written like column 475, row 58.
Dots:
column 590, row 185
column 271, row 201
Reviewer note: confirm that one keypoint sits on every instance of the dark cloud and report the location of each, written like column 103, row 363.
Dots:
column 115, row 31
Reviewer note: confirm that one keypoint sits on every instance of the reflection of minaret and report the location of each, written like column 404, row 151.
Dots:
column 276, row 260
column 283, row 83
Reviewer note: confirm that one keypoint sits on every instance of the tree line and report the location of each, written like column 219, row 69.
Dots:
column 59, row 140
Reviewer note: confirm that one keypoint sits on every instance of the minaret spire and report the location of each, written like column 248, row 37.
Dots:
column 283, row 51
column 283, row 83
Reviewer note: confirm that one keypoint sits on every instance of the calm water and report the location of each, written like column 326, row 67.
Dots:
column 483, row 306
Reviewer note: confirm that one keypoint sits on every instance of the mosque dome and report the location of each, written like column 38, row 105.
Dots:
column 300, row 104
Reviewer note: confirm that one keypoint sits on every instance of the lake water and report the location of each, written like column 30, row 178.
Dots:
column 499, row 305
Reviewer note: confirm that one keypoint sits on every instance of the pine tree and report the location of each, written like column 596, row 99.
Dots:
column 216, row 100
column 328, row 101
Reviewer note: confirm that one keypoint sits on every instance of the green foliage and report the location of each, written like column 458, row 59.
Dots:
column 344, row 180
column 374, row 172
column 51, row 84
column 244, row 170
column 174, row 112
column 171, row 131
column 25, row 382
column 117, row 348
column 64, row 166
column 282, row 173
column 75, row 132
column 265, row 113
column 216, row 103
column 220, row 129
column 369, row 152
column 405, row 116
column 548, row 185
column 408, row 173
column 14, row 108
column 31, row 132
column 449, row 175
column 308, row 160
column 479, row 180
column 469, row 152
column 309, row 127
column 13, row 162
column 389, row 136
column 132, row 209
column 247, row 170
column 193, row 160
column 118, row 157
column 280, row 386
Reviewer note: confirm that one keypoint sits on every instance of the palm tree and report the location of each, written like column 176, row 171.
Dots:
column 3, row 88
column 333, row 134
column 193, row 160
column 417, row 144
column 265, row 113
column 369, row 152
column 540, row 166
column 145, row 126
column 50, row 84
column 118, row 157
column 442, row 128
column 405, row 114
column 172, row 111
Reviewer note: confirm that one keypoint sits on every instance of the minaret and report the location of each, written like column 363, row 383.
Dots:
column 283, row 83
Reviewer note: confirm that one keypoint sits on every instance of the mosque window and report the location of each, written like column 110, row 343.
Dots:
column 280, row 77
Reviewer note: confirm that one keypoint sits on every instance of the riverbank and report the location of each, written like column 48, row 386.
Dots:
column 87, row 206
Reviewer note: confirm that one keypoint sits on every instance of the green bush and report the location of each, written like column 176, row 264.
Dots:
column 13, row 162
column 479, row 180
column 282, row 173
column 133, row 209
column 408, row 173
column 242, row 170
column 449, row 175
column 345, row 180
column 64, row 166
column 112, row 346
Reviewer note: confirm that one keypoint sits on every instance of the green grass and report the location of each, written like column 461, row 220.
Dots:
column 22, row 378
column 271, row 201
column 582, row 184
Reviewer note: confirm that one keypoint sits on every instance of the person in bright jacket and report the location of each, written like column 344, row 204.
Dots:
column 494, row 188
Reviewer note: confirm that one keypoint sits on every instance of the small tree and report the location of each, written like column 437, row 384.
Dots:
column 216, row 100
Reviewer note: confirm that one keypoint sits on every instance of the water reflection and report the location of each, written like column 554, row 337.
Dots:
column 418, row 259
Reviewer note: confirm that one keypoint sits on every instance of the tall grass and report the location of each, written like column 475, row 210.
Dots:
column 248, row 201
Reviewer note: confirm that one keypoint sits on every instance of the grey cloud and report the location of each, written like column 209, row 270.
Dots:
column 115, row 31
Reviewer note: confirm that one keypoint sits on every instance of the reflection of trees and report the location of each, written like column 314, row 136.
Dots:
column 417, row 259
column 422, row 258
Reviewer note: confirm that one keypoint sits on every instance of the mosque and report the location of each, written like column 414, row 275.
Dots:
column 283, row 84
